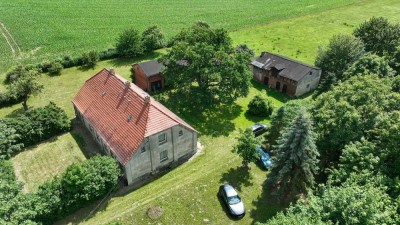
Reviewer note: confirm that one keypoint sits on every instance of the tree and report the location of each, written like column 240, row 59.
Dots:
column 394, row 59
column 282, row 118
column 243, row 48
column 55, row 68
column 25, row 86
column 379, row 36
column 370, row 64
column 260, row 106
column 202, row 61
column 8, row 141
column 295, row 162
column 129, row 43
column 349, row 112
column 246, row 147
column 327, row 83
column 396, row 84
column 341, row 52
column 152, row 39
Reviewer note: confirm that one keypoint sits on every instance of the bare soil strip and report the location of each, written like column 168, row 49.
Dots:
column 10, row 39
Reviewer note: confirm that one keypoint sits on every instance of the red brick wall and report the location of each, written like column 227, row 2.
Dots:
column 291, row 86
column 140, row 77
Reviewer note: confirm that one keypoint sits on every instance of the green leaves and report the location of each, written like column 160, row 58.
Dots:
column 246, row 147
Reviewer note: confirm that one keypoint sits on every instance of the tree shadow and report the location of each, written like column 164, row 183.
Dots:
column 271, row 92
column 118, row 62
column 84, row 139
column 16, row 112
column 209, row 118
column 266, row 205
column 238, row 177
column 253, row 118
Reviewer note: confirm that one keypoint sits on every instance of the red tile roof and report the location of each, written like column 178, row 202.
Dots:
column 107, row 105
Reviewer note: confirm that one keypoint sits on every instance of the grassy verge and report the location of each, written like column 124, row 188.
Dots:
column 300, row 37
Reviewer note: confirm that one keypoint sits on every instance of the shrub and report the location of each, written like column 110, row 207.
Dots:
column 260, row 106
column 108, row 54
column 7, row 99
column 152, row 39
column 90, row 59
column 68, row 62
column 129, row 43
column 55, row 68
column 44, row 66
column 89, row 180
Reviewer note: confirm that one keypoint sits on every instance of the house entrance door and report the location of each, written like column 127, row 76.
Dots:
column 278, row 86
column 284, row 88
column 266, row 81
column 156, row 86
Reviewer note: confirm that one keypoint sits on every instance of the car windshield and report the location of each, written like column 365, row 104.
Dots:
column 233, row 200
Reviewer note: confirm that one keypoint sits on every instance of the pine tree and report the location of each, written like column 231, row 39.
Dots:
column 295, row 161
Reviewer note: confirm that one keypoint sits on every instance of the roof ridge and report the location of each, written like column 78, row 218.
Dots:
column 293, row 60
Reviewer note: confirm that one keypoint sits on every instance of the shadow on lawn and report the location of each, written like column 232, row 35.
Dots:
column 238, row 177
column 208, row 118
column 271, row 92
column 265, row 206
column 84, row 139
column 118, row 62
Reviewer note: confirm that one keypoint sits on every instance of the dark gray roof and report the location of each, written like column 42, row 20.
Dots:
column 151, row 68
column 287, row 67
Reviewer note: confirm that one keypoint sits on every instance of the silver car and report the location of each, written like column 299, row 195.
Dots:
column 232, row 200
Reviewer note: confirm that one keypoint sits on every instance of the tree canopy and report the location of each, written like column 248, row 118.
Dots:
column 246, row 147
column 129, row 43
column 25, row 86
column 295, row 161
column 202, row 61
column 152, row 39
column 379, row 35
column 370, row 64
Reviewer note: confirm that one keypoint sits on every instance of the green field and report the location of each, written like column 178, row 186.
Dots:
column 188, row 193
column 48, row 29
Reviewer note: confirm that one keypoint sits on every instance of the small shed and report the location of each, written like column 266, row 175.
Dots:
column 149, row 76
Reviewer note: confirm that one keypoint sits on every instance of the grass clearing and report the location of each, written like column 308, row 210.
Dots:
column 300, row 37
column 42, row 162
column 56, row 28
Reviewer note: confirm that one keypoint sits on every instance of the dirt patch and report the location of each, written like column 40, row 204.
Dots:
column 155, row 212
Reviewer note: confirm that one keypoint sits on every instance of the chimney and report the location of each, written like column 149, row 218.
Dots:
column 127, row 85
column 147, row 99
column 112, row 71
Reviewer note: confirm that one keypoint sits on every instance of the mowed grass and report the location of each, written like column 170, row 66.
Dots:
column 50, row 29
column 42, row 162
column 300, row 37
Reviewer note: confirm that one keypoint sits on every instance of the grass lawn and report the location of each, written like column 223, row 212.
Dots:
column 52, row 29
column 300, row 37
column 46, row 160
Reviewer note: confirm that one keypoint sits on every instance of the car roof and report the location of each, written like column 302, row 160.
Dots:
column 229, row 190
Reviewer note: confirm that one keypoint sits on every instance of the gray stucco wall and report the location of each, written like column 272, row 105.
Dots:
column 177, row 147
column 308, row 83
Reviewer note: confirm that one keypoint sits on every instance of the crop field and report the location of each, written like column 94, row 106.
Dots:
column 47, row 29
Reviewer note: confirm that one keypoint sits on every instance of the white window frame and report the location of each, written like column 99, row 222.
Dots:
column 162, row 159
column 160, row 142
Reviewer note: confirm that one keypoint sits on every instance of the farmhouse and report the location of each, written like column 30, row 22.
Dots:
column 284, row 74
column 143, row 135
column 148, row 75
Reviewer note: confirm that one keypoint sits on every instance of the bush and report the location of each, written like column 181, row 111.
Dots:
column 87, row 181
column 7, row 99
column 129, row 43
column 108, row 54
column 260, row 106
column 16, row 72
column 152, row 39
column 68, row 62
column 44, row 66
column 90, row 59
column 55, row 68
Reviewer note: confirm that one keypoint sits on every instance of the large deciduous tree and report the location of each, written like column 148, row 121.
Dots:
column 341, row 52
column 203, row 61
column 246, row 147
column 152, row 39
column 25, row 86
column 370, row 64
column 295, row 162
column 379, row 35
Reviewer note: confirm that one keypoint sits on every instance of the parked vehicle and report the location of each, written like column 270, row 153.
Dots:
column 232, row 200
column 259, row 129
column 265, row 158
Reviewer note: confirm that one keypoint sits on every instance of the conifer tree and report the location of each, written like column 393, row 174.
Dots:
column 295, row 162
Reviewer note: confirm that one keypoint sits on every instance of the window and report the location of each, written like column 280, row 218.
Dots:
column 180, row 133
column 162, row 138
column 308, row 85
column 163, row 155
column 143, row 149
